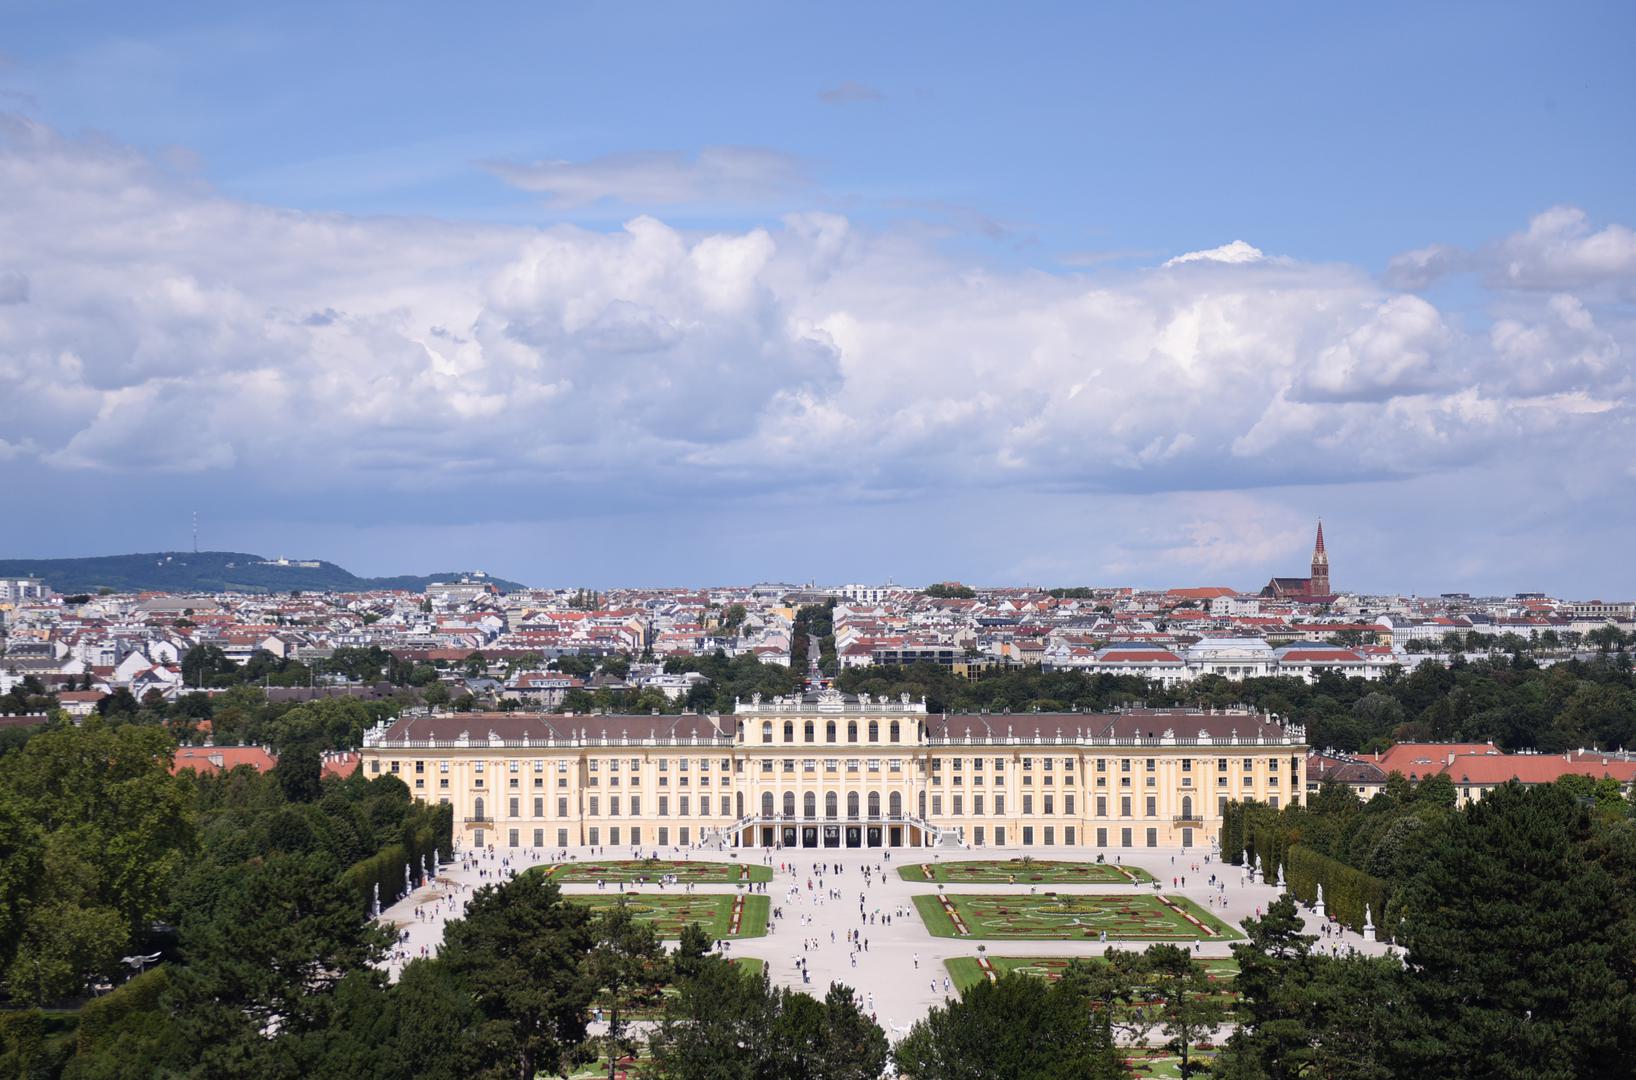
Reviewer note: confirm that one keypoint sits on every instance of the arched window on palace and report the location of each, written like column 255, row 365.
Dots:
column 893, row 730
column 789, row 804
column 852, row 805
column 874, row 731
column 831, row 806
column 767, row 804
column 851, row 731
column 806, row 734
column 874, row 804
column 809, row 805
column 789, row 731
column 895, row 803
column 829, row 731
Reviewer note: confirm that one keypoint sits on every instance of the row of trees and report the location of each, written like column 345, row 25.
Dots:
column 1512, row 702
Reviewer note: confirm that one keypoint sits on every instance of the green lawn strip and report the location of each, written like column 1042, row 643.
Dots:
column 936, row 919
column 1016, row 871
column 964, row 971
column 712, row 911
column 1161, row 1064
column 624, row 871
column 749, row 965
column 1071, row 917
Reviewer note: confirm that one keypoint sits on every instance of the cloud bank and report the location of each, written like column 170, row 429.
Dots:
column 150, row 326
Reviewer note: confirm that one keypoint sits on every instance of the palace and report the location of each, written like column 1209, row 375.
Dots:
column 833, row 770
column 1311, row 588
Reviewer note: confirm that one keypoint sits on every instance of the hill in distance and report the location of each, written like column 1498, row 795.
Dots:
column 211, row 571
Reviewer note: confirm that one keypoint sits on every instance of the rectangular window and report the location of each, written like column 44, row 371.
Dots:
column 636, row 836
column 1050, row 835
column 1028, row 804
column 999, row 805
column 1050, row 807
column 1101, row 806
column 1221, row 806
column 562, row 807
column 1068, row 805
column 684, row 836
column 682, row 806
column 539, row 811
column 1028, row 836
column 977, row 805
column 959, row 805
column 664, row 836
column 1124, row 806
column 539, row 838
column 999, row 836
column 937, row 805
column 1272, row 801
column 1187, row 764
column 514, row 812
column 1101, row 838
column 1124, row 838
column 513, row 838
column 636, row 806
column 1153, row 838
column 977, row 836
column 1152, row 806
column 664, row 806
column 562, row 837
column 594, row 811
column 595, row 835
column 613, row 834
column 613, row 807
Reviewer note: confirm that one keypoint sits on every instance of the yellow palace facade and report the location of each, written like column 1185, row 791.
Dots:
column 832, row 770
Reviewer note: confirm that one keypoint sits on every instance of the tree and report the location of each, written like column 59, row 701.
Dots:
column 299, row 772
column 1520, row 925
column 1190, row 1008
column 1274, row 969
column 1016, row 1027
column 717, row 1026
column 273, row 940
column 202, row 664
column 520, row 950
column 628, row 968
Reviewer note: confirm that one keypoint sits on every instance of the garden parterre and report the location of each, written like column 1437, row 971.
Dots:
column 1064, row 917
column 714, row 912
column 1024, row 871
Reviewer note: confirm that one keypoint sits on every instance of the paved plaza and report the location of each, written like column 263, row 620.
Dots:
column 821, row 897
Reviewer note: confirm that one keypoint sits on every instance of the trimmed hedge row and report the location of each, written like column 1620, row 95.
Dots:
column 1347, row 891
column 428, row 831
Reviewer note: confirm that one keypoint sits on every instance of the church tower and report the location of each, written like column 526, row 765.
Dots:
column 1319, row 584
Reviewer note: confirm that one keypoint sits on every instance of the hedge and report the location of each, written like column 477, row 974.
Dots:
column 428, row 831
column 1347, row 891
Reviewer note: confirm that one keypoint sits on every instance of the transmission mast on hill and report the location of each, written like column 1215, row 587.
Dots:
column 195, row 532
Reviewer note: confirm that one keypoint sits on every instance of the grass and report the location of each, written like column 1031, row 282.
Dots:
column 1129, row 917
column 1025, row 871
column 965, row 972
column 686, row 871
column 670, row 913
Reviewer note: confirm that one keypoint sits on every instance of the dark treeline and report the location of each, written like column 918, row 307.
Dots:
column 1510, row 700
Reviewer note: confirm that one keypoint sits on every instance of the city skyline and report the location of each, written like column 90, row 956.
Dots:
column 1091, row 301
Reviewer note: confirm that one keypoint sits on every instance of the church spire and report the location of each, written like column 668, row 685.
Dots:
column 1319, row 584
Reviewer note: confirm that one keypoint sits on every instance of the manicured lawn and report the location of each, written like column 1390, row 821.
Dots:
column 627, row 871
column 966, row 971
column 1132, row 917
column 1024, row 872
column 670, row 913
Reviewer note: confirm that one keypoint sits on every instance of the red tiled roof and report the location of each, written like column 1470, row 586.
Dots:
column 218, row 758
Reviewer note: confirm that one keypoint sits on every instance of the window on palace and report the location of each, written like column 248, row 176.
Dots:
column 1028, row 763
column 613, row 764
column 1050, row 804
column 1067, row 804
column 443, row 766
column 636, row 805
column 789, row 764
column 956, row 763
column 1124, row 764
column 1187, row 764
column 832, row 764
column 959, row 805
column 809, row 764
column 789, row 731
column 1046, row 763
column 999, row 764
column 874, row 764
column 1152, row 806
column 562, row 807
column 874, row 731
column 1221, row 764
column 977, row 804
column 593, row 763
column 1101, row 806
column 894, row 764
column 766, row 765
column 664, row 806
column 511, row 766
column 1124, row 806
column 562, row 766
column 443, row 782
column 937, row 805
column 1272, row 764
column 999, row 804
column 594, row 806
column 851, row 731
column 829, row 731
column 1028, row 804
column 682, row 806
column 539, row 807
column 893, row 731
column 613, row 805
column 809, row 731
column 1101, row 764
column 477, row 766
column 767, row 733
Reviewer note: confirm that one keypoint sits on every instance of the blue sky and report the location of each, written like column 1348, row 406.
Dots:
column 676, row 293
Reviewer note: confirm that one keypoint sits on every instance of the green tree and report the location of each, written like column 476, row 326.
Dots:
column 1502, row 987
column 1016, row 1027
column 520, row 950
column 628, row 968
column 1190, row 1009
column 718, row 1025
